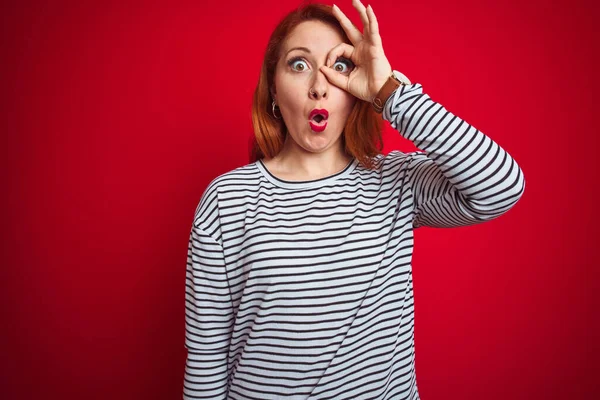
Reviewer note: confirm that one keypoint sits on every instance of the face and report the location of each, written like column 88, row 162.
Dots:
column 297, row 72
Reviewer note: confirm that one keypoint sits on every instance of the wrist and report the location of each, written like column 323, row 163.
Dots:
column 393, row 82
column 379, row 83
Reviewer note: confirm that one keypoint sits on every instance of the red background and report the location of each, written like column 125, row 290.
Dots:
column 116, row 115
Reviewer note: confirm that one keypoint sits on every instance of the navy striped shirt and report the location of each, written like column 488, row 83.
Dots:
column 303, row 289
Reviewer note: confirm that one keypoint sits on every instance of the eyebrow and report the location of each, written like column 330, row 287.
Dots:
column 298, row 48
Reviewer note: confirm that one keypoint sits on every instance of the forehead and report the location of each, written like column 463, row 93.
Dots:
column 314, row 35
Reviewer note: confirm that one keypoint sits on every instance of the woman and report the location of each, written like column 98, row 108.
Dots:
column 299, row 279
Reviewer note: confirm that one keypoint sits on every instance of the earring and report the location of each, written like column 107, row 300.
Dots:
column 273, row 106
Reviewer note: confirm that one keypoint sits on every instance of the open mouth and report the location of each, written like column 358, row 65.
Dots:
column 318, row 119
column 318, row 126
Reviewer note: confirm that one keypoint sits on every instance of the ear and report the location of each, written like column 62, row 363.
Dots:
column 273, row 93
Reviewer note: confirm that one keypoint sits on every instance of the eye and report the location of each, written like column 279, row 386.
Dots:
column 341, row 61
column 296, row 61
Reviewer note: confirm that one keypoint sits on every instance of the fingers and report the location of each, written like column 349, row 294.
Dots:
column 373, row 24
column 373, row 27
column 353, row 33
column 343, row 50
column 362, row 11
column 369, row 21
column 340, row 80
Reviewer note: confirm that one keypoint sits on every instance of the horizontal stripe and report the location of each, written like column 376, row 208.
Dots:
column 303, row 289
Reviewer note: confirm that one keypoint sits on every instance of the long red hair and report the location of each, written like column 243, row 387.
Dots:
column 362, row 133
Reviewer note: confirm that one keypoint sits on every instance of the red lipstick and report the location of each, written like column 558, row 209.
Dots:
column 321, row 111
column 317, row 119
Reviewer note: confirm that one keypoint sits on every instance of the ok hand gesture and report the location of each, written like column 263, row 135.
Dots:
column 366, row 52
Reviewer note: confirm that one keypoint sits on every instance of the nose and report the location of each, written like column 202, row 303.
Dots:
column 319, row 87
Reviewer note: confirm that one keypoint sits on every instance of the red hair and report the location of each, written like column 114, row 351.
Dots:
column 362, row 134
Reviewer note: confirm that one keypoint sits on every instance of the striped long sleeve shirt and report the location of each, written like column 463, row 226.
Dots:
column 303, row 289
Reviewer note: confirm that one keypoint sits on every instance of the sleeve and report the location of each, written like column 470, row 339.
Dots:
column 208, row 319
column 461, row 176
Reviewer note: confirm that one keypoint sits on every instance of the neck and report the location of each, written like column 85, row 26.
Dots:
column 293, row 160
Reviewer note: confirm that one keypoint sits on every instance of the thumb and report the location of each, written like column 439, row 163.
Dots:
column 334, row 77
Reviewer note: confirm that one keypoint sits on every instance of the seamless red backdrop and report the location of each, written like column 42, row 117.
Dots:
column 116, row 115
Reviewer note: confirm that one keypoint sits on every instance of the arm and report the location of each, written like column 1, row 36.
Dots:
column 462, row 177
column 208, row 319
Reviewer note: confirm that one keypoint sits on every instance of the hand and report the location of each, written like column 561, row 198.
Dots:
column 371, row 67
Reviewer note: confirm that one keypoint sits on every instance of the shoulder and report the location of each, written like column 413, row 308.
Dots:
column 239, row 175
column 396, row 159
column 394, row 163
column 227, row 182
column 396, row 156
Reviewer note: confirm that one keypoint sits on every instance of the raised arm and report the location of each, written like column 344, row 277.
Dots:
column 208, row 319
column 461, row 177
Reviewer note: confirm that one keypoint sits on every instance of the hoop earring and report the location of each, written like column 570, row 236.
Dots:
column 276, row 117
